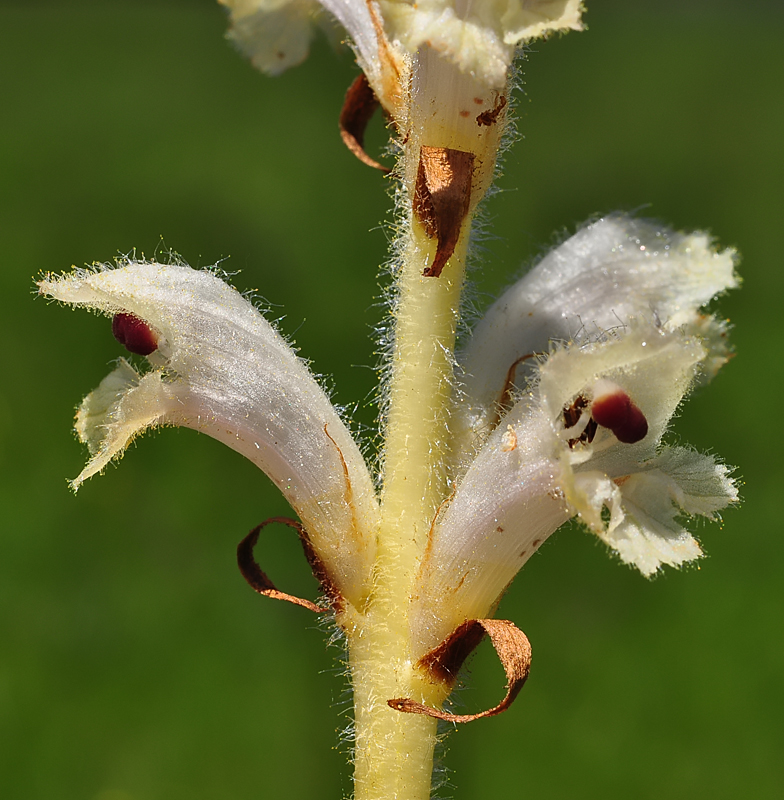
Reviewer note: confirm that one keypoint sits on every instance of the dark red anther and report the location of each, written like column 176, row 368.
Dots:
column 135, row 334
column 616, row 411
column 611, row 410
column 635, row 429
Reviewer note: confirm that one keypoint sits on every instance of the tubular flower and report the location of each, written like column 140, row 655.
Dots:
column 219, row 367
column 607, row 368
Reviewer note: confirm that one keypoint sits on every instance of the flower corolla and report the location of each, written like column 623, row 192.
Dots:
column 571, row 379
column 222, row 369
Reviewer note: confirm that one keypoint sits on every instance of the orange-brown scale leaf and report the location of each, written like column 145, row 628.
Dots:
column 444, row 662
column 442, row 198
column 260, row 582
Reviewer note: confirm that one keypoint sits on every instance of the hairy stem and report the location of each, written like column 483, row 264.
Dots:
column 446, row 167
column 394, row 751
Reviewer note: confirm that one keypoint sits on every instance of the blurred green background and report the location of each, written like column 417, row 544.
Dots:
column 135, row 664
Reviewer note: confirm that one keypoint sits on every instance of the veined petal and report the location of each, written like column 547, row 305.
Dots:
column 607, row 273
column 645, row 507
column 224, row 370
column 701, row 486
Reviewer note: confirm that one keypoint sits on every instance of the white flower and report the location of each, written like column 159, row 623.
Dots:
column 585, row 437
column 219, row 367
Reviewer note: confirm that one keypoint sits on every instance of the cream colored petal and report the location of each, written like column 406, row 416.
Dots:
column 699, row 484
column 224, row 370
column 274, row 34
column 525, row 20
column 642, row 528
column 644, row 488
column 481, row 38
column 124, row 405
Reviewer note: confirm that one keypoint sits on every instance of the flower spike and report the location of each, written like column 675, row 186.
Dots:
column 557, row 408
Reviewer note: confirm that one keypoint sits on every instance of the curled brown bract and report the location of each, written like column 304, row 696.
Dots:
column 260, row 582
column 444, row 662
column 442, row 198
column 358, row 109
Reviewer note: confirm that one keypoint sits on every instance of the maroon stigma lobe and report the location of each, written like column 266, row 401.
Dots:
column 135, row 334
column 617, row 412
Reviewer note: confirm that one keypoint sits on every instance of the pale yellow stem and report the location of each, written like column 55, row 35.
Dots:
column 394, row 751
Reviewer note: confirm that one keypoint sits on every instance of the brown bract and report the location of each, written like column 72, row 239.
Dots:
column 443, row 664
column 260, row 582
column 442, row 198
column 358, row 109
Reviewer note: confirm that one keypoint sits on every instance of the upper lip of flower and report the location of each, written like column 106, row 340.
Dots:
column 614, row 269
